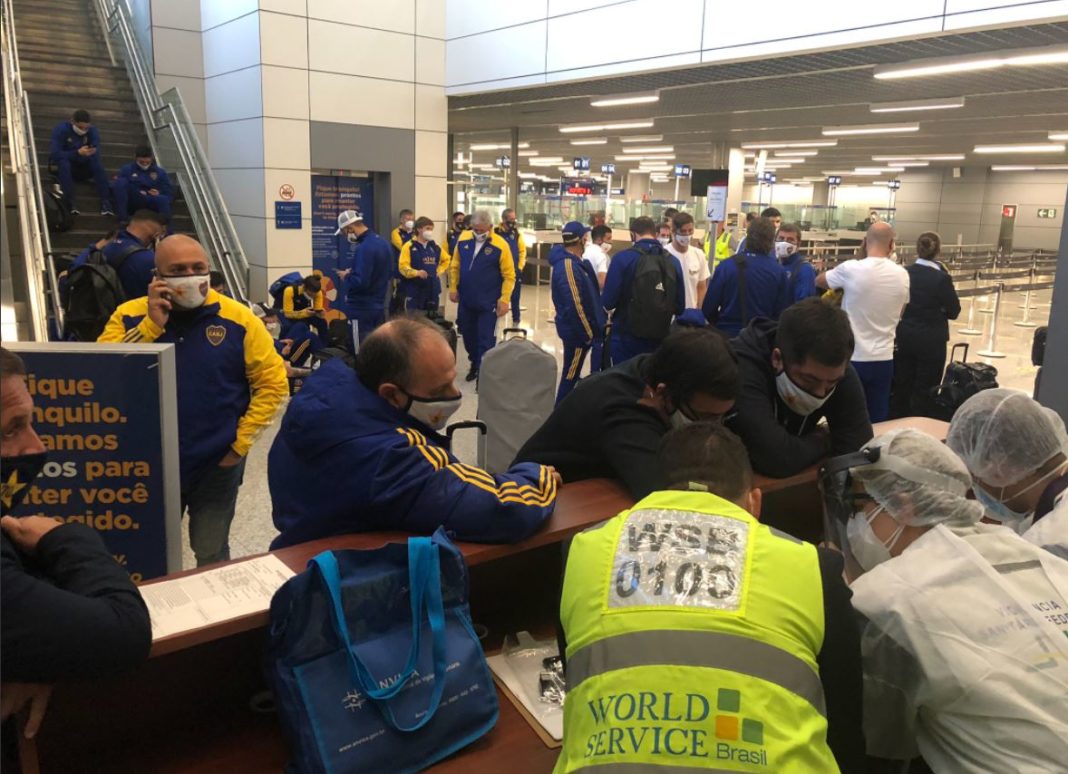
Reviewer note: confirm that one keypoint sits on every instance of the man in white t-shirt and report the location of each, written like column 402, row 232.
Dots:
column 875, row 291
column 693, row 260
column 597, row 250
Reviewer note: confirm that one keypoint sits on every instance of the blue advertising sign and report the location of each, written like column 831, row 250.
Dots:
column 107, row 414
column 330, row 196
column 287, row 215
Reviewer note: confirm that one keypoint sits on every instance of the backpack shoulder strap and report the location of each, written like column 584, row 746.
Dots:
column 743, row 299
column 126, row 252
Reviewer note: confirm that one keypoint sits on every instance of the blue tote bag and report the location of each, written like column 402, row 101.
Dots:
column 374, row 662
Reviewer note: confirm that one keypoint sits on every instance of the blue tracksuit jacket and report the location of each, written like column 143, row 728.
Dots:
column 144, row 179
column 135, row 274
column 347, row 461
column 65, row 141
column 418, row 293
column 372, row 270
column 767, row 293
column 580, row 316
column 617, row 287
column 486, row 278
column 800, row 278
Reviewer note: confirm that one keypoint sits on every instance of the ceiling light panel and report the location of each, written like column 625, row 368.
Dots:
column 1039, row 147
column 591, row 141
column 605, row 127
column 917, row 104
column 1026, row 57
column 791, row 144
column 625, row 99
column 651, row 149
column 832, row 131
column 642, row 138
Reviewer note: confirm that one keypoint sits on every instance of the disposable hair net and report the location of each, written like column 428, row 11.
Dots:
column 918, row 481
column 1003, row 436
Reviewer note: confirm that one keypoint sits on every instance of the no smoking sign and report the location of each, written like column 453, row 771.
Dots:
column 286, row 192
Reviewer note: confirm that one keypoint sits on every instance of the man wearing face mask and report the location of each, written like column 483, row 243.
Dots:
column 694, row 265
column 686, row 599
column 965, row 654
column 384, row 420
column 800, row 276
column 367, row 283
column 597, row 250
column 611, row 423
column 509, row 232
column 483, row 275
column 70, row 611
column 404, row 231
column 143, row 184
column 230, row 383
column 130, row 253
column 794, row 374
column 420, row 264
column 304, row 303
column 75, row 152
column 580, row 317
column 455, row 229
column 663, row 233
column 1016, row 450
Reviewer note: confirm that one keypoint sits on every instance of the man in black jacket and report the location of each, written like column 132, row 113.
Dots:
column 70, row 612
column 611, row 423
column 795, row 373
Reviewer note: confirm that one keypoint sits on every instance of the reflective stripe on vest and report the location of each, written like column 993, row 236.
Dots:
column 715, row 650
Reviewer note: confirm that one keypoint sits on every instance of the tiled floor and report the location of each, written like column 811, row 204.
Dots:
column 252, row 529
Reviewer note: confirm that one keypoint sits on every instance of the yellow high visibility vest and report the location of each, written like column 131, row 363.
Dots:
column 692, row 635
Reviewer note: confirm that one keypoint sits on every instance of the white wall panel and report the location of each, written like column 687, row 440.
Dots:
column 494, row 56
column 631, row 66
column 431, row 198
column 431, row 109
column 177, row 52
column 285, row 92
column 294, row 7
column 183, row 15
column 233, row 96
column 216, row 12
column 242, row 190
column 396, row 15
column 339, row 48
column 558, row 7
column 431, row 154
column 430, row 18
column 283, row 40
column 984, row 15
column 232, row 46
column 236, row 144
column 286, row 144
column 192, row 91
column 349, row 99
column 430, row 61
column 468, row 17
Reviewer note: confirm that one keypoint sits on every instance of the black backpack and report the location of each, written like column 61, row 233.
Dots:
column 57, row 211
column 652, row 295
column 94, row 293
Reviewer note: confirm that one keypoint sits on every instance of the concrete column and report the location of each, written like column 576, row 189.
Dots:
column 1053, row 390
column 820, row 194
column 736, row 167
column 637, row 185
column 512, row 173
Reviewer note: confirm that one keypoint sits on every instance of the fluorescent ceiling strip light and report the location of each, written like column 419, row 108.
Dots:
column 897, row 163
column 1058, row 135
column 832, row 131
column 922, row 157
column 497, row 146
column 591, row 141
column 876, row 170
column 605, row 127
column 795, row 153
column 1041, row 147
column 1028, row 168
column 789, row 160
column 546, row 161
column 651, row 149
column 527, row 153
column 642, row 138
column 793, row 144
column 653, row 157
column 1022, row 57
column 919, row 104
column 625, row 99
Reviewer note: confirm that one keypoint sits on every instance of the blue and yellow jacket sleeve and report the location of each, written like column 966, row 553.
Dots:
column 454, row 260
column 289, row 306
column 266, row 374
column 144, row 332
column 573, row 324
column 395, row 239
column 404, row 263
column 433, row 488
column 522, row 247
column 507, row 264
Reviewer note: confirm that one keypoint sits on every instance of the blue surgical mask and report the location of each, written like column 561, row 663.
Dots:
column 998, row 510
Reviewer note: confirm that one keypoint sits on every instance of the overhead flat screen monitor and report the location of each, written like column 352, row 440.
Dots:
column 701, row 179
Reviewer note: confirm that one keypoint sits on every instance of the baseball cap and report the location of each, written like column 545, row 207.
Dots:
column 347, row 218
column 574, row 231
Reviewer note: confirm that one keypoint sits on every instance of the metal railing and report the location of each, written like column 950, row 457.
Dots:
column 33, row 226
column 177, row 147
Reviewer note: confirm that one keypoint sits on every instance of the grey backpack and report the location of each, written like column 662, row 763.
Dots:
column 516, row 394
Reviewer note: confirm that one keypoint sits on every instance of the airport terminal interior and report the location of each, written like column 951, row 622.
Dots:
column 215, row 214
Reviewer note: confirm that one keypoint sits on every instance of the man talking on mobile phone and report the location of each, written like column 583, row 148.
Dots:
column 230, row 383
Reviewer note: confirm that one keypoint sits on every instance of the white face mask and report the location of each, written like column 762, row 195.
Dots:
column 784, row 250
column 607, row 247
column 144, row 167
column 481, row 236
column 188, row 292
column 865, row 545
column 799, row 401
column 683, row 240
column 409, row 225
column 428, row 235
column 434, row 413
column 665, row 241
column 79, row 131
column 351, row 237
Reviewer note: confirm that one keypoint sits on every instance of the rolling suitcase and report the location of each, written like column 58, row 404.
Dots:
column 962, row 380
column 516, row 393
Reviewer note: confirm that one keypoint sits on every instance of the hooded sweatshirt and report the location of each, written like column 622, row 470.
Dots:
column 781, row 442
column 345, row 460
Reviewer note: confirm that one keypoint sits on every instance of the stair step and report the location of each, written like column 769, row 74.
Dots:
column 38, row 63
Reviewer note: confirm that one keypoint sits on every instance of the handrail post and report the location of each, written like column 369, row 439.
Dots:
column 1026, row 321
column 969, row 328
column 992, row 341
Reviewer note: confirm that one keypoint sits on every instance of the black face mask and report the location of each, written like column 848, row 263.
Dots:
column 16, row 475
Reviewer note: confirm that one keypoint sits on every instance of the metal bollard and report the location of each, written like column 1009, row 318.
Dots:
column 1026, row 321
column 992, row 342
column 969, row 329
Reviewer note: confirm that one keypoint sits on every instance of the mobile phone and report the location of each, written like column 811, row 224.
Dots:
column 164, row 293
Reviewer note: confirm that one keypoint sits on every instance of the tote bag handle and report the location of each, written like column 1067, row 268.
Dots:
column 424, row 576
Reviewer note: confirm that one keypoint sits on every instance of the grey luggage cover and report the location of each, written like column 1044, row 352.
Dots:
column 516, row 394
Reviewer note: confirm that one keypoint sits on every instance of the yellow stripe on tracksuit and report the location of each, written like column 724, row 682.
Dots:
column 507, row 492
column 578, row 301
column 576, row 364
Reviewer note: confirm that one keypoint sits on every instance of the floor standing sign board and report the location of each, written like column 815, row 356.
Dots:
column 108, row 416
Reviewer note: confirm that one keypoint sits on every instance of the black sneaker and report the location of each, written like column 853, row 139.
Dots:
column 75, row 211
column 106, row 210
column 471, row 375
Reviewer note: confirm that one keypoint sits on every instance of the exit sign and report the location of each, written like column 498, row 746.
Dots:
column 1047, row 212
column 1008, row 210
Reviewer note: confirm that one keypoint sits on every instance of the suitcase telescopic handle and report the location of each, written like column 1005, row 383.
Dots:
column 506, row 331
column 953, row 352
